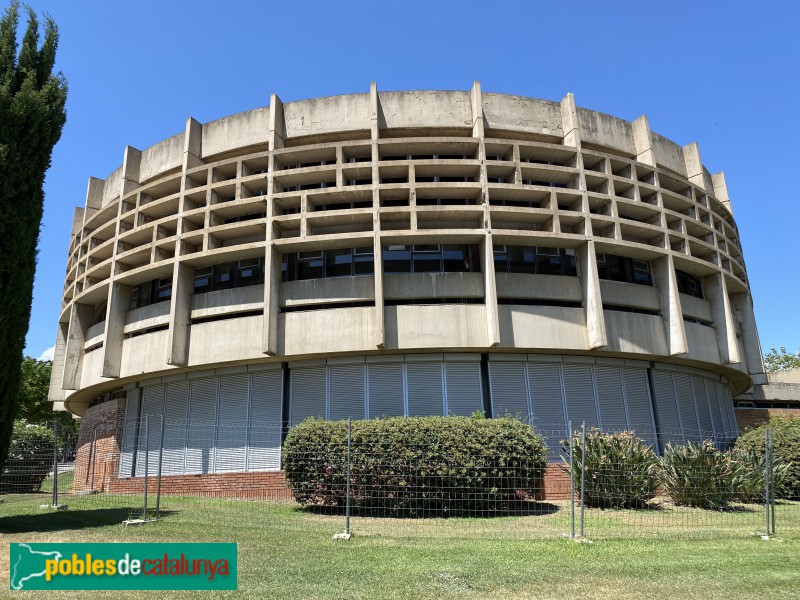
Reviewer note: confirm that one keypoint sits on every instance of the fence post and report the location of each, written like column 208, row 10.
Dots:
column 347, row 500
column 55, row 463
column 583, row 469
column 772, row 479
column 766, row 483
column 94, row 457
column 146, row 462
column 571, row 482
column 160, row 462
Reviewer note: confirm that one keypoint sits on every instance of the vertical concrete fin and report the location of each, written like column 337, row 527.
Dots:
column 94, row 198
column 374, row 111
column 180, row 315
column 717, row 295
column 380, row 328
column 272, row 279
column 277, row 124
column 743, row 303
column 78, row 219
column 569, row 120
column 193, row 144
column 643, row 141
column 56, row 392
column 477, row 110
column 131, row 165
column 490, row 290
column 592, row 298
column 721, row 190
column 119, row 299
column 694, row 165
column 79, row 321
column 667, row 282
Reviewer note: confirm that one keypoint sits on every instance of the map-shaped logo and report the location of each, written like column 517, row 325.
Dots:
column 27, row 563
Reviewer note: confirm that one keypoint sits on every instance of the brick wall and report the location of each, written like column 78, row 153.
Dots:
column 98, row 442
column 747, row 418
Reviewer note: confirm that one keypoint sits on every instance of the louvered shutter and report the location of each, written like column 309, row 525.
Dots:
column 386, row 390
column 716, row 416
column 610, row 398
column 579, row 392
column 463, row 387
column 234, row 391
column 425, row 389
column 202, row 426
column 703, row 413
column 509, row 390
column 724, row 412
column 547, row 405
column 729, row 409
column 640, row 406
column 176, row 413
column 309, row 394
column 266, row 399
column 347, row 391
column 129, row 433
column 666, row 409
column 686, row 407
column 150, row 430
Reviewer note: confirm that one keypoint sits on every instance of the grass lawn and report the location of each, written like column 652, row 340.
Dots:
column 286, row 552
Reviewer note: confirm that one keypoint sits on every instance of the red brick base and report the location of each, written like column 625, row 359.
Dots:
column 747, row 418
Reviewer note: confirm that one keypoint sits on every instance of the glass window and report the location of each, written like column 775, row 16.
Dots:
column 250, row 272
column 521, row 259
column 163, row 289
column 548, row 261
column 501, row 259
column 338, row 263
column 202, row 279
column 363, row 261
column 223, row 276
column 568, row 263
column 456, row 259
column 689, row 284
column 427, row 259
column 310, row 265
column 397, row 259
column 641, row 273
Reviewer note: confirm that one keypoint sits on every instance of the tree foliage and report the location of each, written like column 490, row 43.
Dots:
column 782, row 360
column 33, row 404
column 32, row 114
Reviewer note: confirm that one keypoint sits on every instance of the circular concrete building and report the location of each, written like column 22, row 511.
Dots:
column 403, row 253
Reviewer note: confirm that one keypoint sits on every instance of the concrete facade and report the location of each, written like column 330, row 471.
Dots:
column 564, row 239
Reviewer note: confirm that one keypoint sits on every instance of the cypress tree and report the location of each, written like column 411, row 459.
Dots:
column 32, row 114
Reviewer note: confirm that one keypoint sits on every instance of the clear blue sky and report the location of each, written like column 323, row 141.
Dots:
column 723, row 74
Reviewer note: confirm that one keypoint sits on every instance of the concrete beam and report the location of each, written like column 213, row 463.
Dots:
column 592, row 298
column 180, row 315
column 277, row 123
column 80, row 319
column 119, row 300
column 667, row 282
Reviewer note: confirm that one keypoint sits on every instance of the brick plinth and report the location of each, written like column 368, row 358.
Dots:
column 747, row 418
column 98, row 442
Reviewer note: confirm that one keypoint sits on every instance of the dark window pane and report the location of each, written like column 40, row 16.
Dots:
column 397, row 259
column 500, row 260
column 223, row 276
column 310, row 268
column 520, row 259
column 456, row 259
column 202, row 280
column 548, row 261
column 428, row 260
column 363, row 261
column 568, row 263
column 338, row 263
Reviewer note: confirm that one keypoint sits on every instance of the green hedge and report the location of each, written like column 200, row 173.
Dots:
column 786, row 451
column 419, row 466
column 30, row 459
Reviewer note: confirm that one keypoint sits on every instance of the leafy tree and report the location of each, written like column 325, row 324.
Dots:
column 32, row 114
column 33, row 404
column 782, row 360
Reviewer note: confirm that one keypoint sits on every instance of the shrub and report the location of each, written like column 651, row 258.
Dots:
column 748, row 475
column 786, row 450
column 420, row 466
column 30, row 458
column 697, row 474
column 621, row 470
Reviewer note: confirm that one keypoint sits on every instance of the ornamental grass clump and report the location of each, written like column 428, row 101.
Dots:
column 749, row 475
column 699, row 475
column 786, row 452
column 620, row 469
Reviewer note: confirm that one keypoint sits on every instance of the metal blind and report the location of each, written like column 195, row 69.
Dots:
column 609, row 398
column 150, row 431
column 703, row 412
column 266, row 399
column 547, row 405
column 308, row 394
column 727, row 402
column 234, row 398
column 579, row 392
column 347, row 391
column 202, row 426
column 463, row 386
column 640, row 406
column 509, row 390
column 713, row 404
column 666, row 409
column 129, row 433
column 386, row 390
column 176, row 414
column 424, row 389
column 686, row 407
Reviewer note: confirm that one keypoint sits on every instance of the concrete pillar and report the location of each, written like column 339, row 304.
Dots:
column 490, row 290
column 643, row 141
column 380, row 327
column 743, row 304
column 130, row 170
column 374, row 111
column 592, row 298
column 671, row 311
column 192, row 145
column 477, row 110
column 272, row 281
column 277, row 125
column 721, row 190
column 569, row 122
column 716, row 291
column 55, row 392
column 119, row 300
column 694, row 167
column 180, row 310
column 80, row 320
column 94, row 198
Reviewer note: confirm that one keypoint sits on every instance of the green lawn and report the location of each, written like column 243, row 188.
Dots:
column 286, row 552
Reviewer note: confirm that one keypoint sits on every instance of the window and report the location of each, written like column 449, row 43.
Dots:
column 151, row 292
column 430, row 258
column 624, row 269
column 535, row 259
column 229, row 275
column 689, row 284
column 320, row 264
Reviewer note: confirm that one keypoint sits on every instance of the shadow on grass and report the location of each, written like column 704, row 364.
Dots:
column 66, row 519
column 522, row 509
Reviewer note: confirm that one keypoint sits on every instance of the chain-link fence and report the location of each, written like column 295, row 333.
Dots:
column 584, row 483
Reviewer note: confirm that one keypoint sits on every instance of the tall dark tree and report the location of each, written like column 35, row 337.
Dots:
column 32, row 114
